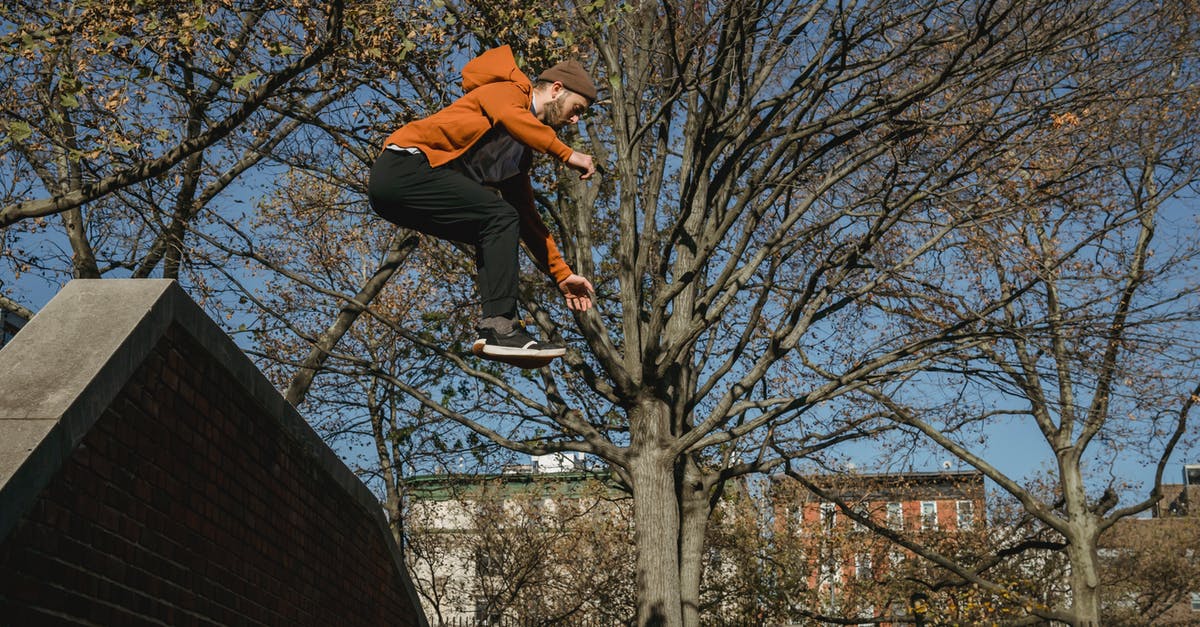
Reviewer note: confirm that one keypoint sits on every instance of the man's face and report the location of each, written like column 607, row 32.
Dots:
column 563, row 108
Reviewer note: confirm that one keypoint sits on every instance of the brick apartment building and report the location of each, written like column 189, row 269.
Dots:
column 926, row 501
column 849, row 567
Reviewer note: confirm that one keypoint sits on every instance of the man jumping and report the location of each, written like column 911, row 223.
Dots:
column 439, row 175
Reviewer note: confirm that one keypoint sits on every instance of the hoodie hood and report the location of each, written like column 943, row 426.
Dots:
column 494, row 66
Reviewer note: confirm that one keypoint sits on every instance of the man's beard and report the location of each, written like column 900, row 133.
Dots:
column 554, row 117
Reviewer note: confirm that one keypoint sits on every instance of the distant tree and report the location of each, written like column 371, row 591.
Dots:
column 790, row 555
column 1148, row 568
column 539, row 550
column 771, row 558
column 1093, row 353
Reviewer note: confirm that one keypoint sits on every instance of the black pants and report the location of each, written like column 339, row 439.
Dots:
column 404, row 190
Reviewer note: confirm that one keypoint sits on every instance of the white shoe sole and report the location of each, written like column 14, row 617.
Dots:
column 482, row 348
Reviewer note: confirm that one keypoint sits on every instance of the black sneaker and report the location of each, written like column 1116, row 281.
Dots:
column 516, row 343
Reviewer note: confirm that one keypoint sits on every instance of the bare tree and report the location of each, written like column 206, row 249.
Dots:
column 786, row 555
column 785, row 184
column 540, row 549
column 1096, row 362
column 789, row 236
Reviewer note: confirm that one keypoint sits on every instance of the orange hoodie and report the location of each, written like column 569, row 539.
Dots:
column 497, row 93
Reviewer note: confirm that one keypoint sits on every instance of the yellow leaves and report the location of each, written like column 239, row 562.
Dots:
column 115, row 101
column 199, row 24
column 124, row 144
column 1064, row 119
column 75, row 155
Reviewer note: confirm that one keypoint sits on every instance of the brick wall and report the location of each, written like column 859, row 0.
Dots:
column 187, row 504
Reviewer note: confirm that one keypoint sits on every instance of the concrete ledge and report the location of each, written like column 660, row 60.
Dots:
column 70, row 362
column 60, row 372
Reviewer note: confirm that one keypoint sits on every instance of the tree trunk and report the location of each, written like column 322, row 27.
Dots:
column 173, row 260
column 695, row 508
column 83, row 259
column 1085, row 588
column 302, row 380
column 1081, row 547
column 389, row 472
column 656, row 518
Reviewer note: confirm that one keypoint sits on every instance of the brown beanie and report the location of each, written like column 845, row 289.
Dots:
column 572, row 75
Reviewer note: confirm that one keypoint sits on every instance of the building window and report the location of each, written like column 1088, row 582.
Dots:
column 929, row 520
column 966, row 514
column 895, row 515
column 488, row 562
column 862, row 511
column 828, row 516
column 831, row 570
column 862, row 565
column 796, row 516
column 867, row 612
column 485, row 612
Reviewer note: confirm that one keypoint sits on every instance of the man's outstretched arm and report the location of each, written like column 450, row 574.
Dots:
column 578, row 291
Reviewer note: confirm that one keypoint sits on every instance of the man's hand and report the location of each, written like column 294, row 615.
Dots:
column 583, row 162
column 578, row 291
